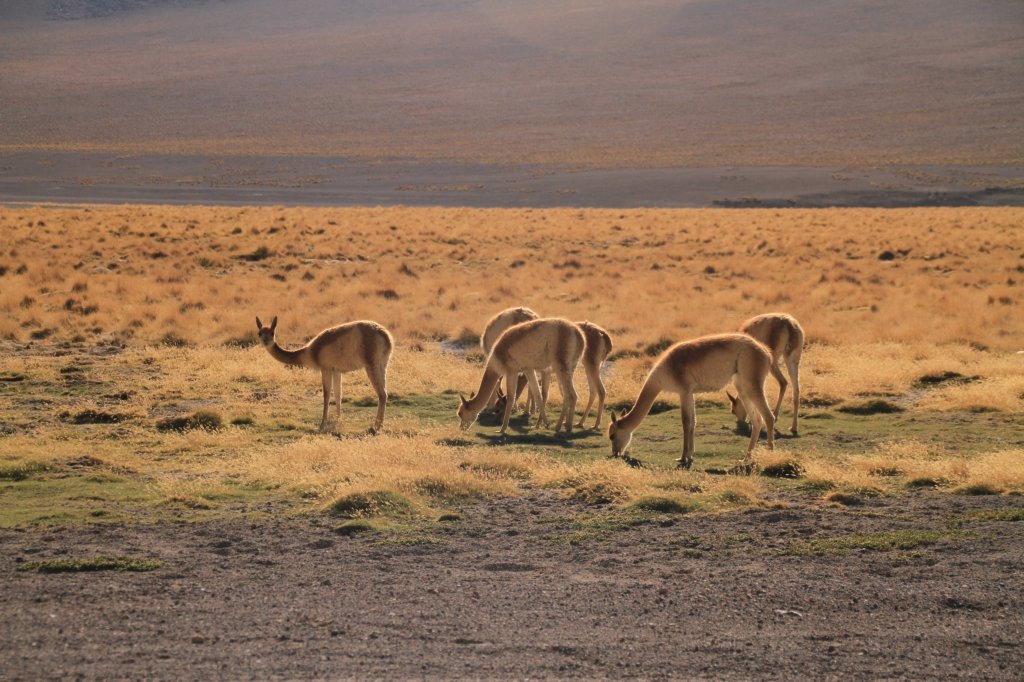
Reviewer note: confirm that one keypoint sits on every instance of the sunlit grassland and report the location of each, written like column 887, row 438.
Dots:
column 116, row 319
column 87, row 445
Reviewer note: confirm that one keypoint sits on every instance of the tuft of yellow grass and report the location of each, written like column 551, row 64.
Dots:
column 897, row 465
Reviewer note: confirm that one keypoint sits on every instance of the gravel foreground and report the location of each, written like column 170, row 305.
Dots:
column 516, row 589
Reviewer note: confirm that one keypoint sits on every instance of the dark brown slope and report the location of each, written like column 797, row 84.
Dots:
column 658, row 82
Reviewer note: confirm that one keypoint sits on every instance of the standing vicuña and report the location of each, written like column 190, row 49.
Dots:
column 597, row 347
column 784, row 337
column 345, row 348
column 704, row 364
column 526, row 348
column 494, row 328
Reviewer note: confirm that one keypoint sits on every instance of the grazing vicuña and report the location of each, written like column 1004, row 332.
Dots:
column 527, row 348
column 704, row 364
column 784, row 338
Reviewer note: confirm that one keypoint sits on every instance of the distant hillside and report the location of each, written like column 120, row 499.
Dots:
column 90, row 9
column 589, row 82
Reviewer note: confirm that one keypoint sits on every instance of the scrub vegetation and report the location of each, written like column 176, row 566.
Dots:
column 131, row 385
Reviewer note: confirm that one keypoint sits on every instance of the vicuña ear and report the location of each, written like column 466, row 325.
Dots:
column 463, row 399
column 730, row 397
column 273, row 323
column 621, row 416
column 259, row 325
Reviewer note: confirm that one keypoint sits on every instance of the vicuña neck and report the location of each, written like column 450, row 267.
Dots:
column 488, row 383
column 642, row 406
column 288, row 357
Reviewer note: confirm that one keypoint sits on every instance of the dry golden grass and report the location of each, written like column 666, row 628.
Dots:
column 898, row 465
column 136, row 274
column 177, row 290
column 199, row 275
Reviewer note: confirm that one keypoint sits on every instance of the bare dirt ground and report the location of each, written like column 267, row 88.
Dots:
column 515, row 589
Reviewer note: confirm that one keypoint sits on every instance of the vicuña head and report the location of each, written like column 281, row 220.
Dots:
column 737, row 409
column 266, row 334
column 620, row 438
column 466, row 414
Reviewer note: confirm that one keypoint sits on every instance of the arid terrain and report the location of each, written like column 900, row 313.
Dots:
column 141, row 427
column 170, row 170
column 512, row 591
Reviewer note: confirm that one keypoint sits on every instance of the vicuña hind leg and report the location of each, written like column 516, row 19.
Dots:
column 758, row 409
column 378, row 379
column 336, row 377
column 595, row 389
column 781, row 378
column 793, row 365
column 569, row 397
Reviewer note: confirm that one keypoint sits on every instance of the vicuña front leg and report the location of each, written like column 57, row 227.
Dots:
column 538, row 398
column 510, row 402
column 781, row 378
column 688, row 411
column 325, row 375
column 595, row 389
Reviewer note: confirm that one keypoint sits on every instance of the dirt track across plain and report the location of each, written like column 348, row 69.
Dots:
column 516, row 589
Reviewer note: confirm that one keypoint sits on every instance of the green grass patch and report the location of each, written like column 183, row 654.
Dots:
column 577, row 539
column 657, row 504
column 659, row 406
column 444, row 491
column 498, row 470
column 371, row 503
column 787, row 469
column 356, row 527
column 869, row 407
column 879, row 542
column 816, row 485
column 978, row 489
column 995, row 515
column 203, row 419
column 410, row 541
column 57, row 498
column 937, row 378
column 21, row 471
column 101, row 563
column 844, row 498
column 94, row 417
column 595, row 492
column 926, row 482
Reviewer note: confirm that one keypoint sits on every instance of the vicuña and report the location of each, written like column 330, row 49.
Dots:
column 345, row 348
column 704, row 364
column 527, row 348
column 784, row 338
